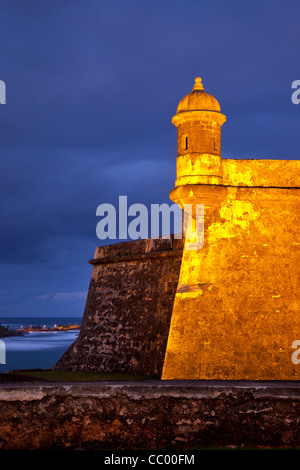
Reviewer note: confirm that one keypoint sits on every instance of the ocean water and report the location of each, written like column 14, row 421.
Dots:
column 37, row 350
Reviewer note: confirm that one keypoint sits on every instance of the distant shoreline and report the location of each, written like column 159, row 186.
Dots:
column 55, row 328
column 5, row 332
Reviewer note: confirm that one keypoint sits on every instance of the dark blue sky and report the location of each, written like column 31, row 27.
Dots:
column 91, row 89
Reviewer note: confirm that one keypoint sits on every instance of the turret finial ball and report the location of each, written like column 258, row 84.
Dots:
column 198, row 84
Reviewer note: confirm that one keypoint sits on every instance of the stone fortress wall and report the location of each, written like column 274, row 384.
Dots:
column 127, row 315
column 233, row 311
column 236, row 311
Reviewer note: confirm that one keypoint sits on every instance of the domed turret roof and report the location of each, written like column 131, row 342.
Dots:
column 198, row 100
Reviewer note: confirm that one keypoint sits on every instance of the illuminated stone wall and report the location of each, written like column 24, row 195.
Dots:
column 236, row 314
column 236, row 310
column 129, row 305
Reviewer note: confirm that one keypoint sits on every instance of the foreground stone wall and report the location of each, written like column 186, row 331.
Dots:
column 129, row 305
column 149, row 415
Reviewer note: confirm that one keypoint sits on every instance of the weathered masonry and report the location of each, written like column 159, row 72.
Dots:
column 128, row 310
column 148, row 415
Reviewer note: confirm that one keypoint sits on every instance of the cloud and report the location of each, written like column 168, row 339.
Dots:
column 88, row 117
column 61, row 296
column 69, row 296
column 41, row 298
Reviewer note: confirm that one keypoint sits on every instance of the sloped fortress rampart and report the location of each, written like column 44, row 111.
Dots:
column 128, row 310
column 233, row 310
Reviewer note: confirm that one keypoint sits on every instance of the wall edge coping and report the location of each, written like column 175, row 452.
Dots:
column 151, row 389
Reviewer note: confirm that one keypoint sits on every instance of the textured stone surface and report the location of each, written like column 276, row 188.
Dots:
column 127, row 315
column 262, row 173
column 242, row 319
column 149, row 415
